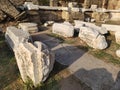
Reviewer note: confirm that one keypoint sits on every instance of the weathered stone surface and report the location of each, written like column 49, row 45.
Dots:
column 64, row 29
column 92, row 38
column 36, row 62
column 79, row 24
column 29, row 27
column 16, row 36
column 8, row 8
column 117, row 37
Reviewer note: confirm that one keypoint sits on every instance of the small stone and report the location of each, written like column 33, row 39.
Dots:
column 93, row 38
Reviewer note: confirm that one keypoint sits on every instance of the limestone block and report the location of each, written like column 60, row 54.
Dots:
column 15, row 36
column 29, row 27
column 93, row 38
column 64, row 29
column 65, row 15
column 117, row 37
column 31, row 6
column 35, row 62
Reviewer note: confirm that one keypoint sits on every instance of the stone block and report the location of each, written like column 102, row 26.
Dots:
column 29, row 27
column 64, row 29
column 93, row 38
column 36, row 63
column 35, row 60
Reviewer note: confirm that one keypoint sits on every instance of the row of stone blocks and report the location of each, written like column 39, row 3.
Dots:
column 34, row 59
column 90, row 33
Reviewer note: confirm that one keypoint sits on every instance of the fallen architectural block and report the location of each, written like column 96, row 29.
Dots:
column 79, row 24
column 64, row 29
column 15, row 36
column 29, row 27
column 35, row 61
column 110, row 27
column 93, row 38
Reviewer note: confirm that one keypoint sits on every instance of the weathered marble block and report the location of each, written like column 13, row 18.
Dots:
column 93, row 38
column 15, row 36
column 64, row 29
column 29, row 27
column 35, row 62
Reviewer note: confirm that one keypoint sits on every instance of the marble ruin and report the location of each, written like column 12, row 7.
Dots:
column 35, row 61
column 64, row 17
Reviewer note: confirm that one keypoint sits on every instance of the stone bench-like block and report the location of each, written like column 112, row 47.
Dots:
column 29, row 27
column 64, row 29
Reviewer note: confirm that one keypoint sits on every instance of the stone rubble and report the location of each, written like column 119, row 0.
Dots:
column 93, row 38
column 65, row 29
column 35, row 60
column 29, row 27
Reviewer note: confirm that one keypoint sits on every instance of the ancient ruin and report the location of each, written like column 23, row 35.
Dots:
column 81, row 35
column 35, row 61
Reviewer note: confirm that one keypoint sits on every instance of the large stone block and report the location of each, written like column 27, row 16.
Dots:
column 7, row 7
column 36, row 62
column 93, row 38
column 64, row 29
